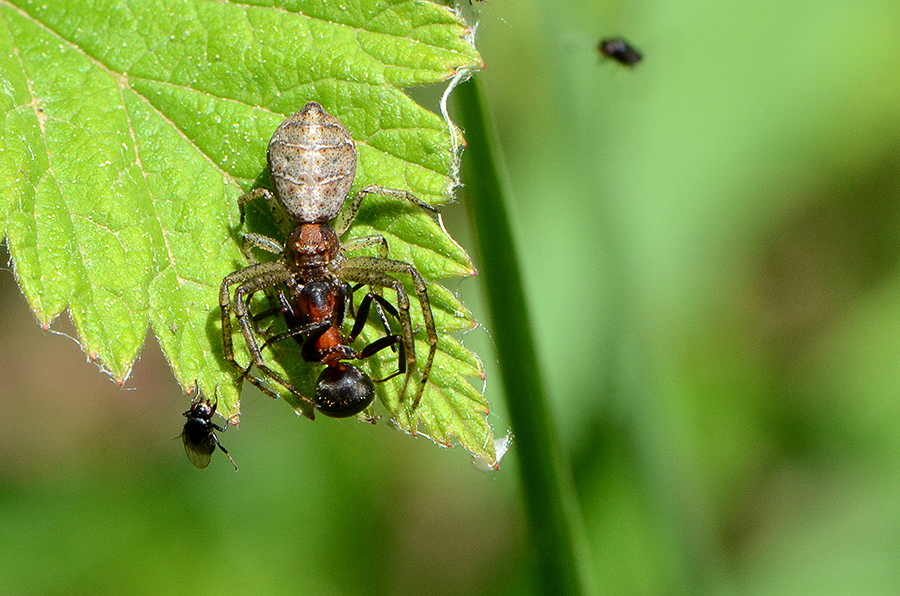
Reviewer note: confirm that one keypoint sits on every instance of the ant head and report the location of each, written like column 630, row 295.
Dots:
column 343, row 390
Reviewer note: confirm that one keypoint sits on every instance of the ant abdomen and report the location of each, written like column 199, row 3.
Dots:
column 343, row 390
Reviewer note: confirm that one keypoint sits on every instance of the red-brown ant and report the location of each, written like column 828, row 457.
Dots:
column 314, row 313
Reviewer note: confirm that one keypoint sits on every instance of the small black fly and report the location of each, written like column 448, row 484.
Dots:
column 619, row 50
column 199, row 434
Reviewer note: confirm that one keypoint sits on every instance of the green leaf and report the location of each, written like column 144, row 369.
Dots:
column 131, row 127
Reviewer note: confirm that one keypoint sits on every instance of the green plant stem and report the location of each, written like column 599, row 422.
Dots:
column 550, row 503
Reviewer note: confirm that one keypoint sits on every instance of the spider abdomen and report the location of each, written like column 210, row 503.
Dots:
column 312, row 162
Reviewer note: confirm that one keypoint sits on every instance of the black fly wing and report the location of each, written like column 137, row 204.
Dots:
column 199, row 447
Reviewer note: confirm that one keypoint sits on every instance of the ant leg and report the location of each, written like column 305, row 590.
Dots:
column 313, row 331
column 381, row 305
column 348, row 304
column 371, row 276
column 390, row 341
column 342, row 222
column 379, row 273
column 362, row 316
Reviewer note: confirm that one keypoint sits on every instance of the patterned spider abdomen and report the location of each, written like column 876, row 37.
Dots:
column 312, row 162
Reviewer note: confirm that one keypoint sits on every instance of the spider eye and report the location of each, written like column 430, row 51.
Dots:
column 343, row 390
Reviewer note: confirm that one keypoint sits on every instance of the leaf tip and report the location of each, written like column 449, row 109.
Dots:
column 501, row 446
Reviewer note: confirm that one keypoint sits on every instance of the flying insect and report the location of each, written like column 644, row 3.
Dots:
column 619, row 50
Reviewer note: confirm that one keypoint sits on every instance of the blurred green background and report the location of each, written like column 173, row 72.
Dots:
column 711, row 245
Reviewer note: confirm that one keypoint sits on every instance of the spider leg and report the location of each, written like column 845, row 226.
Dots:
column 277, row 209
column 252, row 240
column 366, row 242
column 249, row 280
column 342, row 222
